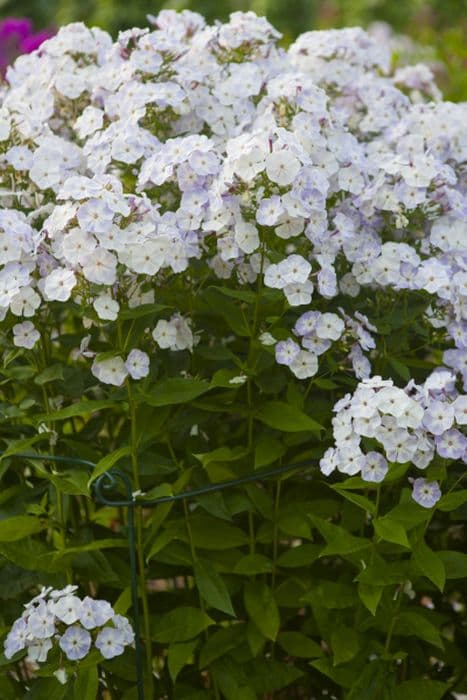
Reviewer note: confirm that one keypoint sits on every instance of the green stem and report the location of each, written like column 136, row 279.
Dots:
column 139, row 541
column 394, row 618
column 275, row 542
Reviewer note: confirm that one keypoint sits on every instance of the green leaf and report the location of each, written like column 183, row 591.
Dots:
column 268, row 675
column 267, row 450
column 178, row 656
column 370, row 596
column 48, row 688
column 429, row 563
column 339, row 541
column 81, row 408
column 212, row 533
column 179, row 625
column 282, row 416
column 107, row 462
column 49, row 374
column 345, row 645
column 420, row 689
column 452, row 501
column 401, row 369
column 391, row 531
column 252, row 564
column 297, row 644
column 212, row 587
column 262, row 608
column 220, row 643
column 455, row 564
column 170, row 392
column 303, row 555
column 143, row 310
column 375, row 682
column 22, row 445
column 19, row 526
column 415, row 624
column 86, row 683
column 357, row 499
column 221, row 454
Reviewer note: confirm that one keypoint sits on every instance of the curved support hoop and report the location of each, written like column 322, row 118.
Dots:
column 108, row 482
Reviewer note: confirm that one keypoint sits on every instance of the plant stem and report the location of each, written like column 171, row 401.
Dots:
column 139, row 540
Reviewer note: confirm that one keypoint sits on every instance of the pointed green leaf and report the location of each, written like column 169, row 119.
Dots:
column 429, row 563
column 287, row 418
column 179, row 625
column 178, row 656
column 107, row 462
column 391, row 531
column 212, row 587
column 262, row 608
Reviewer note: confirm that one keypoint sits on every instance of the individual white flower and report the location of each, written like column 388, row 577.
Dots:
column 94, row 613
column 41, row 622
column 282, row 167
column 17, row 638
column 165, row 334
column 137, row 364
column 298, row 293
column 110, row 642
column 460, row 410
column 66, row 608
column 75, row 643
column 110, row 371
column 25, row 335
column 39, row 650
column 375, row 467
column 329, row 326
column 246, row 236
column 100, row 267
column 305, row 365
column 25, row 302
column 58, row 285
column 106, row 308
column 121, row 623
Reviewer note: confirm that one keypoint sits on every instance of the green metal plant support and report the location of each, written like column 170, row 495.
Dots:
column 111, row 482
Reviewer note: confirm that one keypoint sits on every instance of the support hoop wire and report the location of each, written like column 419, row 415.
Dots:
column 109, row 481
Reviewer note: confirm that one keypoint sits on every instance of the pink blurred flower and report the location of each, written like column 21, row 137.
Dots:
column 17, row 37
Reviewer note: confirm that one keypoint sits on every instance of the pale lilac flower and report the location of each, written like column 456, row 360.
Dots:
column 94, row 613
column 286, row 352
column 451, row 444
column 25, row 335
column 375, row 467
column 66, row 608
column 17, row 638
column 426, row 493
column 137, row 364
column 110, row 371
column 75, row 643
column 439, row 417
column 41, row 622
column 106, row 308
column 110, row 642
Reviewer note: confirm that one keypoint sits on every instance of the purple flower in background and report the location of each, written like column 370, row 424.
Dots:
column 17, row 37
column 426, row 493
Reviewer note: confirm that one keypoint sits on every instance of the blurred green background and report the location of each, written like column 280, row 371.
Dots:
column 441, row 24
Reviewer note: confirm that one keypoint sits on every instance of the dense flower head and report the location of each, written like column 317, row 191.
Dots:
column 61, row 617
column 313, row 172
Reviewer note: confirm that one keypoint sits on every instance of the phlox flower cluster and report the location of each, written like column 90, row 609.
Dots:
column 313, row 172
column 381, row 423
column 60, row 618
